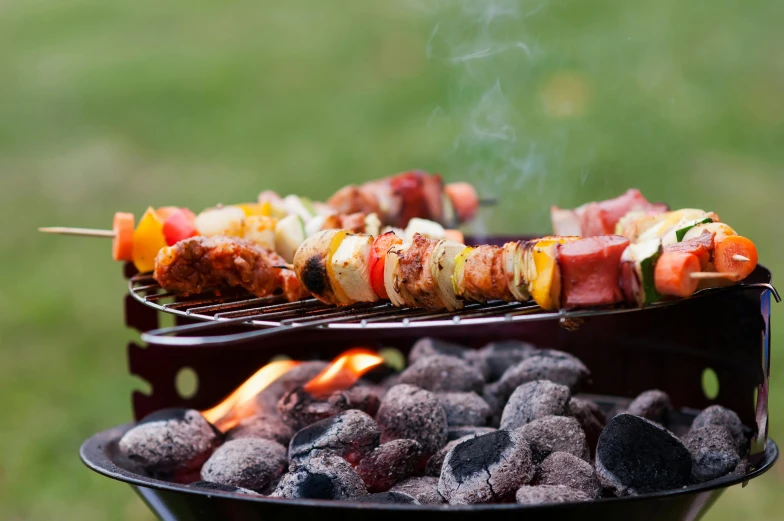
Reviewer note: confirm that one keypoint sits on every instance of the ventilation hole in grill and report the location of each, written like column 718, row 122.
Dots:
column 186, row 382
column 710, row 383
column 393, row 358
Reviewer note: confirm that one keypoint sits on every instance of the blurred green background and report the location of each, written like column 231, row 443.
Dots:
column 109, row 106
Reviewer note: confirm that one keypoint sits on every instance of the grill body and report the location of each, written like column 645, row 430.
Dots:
column 667, row 347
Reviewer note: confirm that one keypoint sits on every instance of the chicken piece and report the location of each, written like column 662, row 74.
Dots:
column 416, row 284
column 200, row 264
column 484, row 277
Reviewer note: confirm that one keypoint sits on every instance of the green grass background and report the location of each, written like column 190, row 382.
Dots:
column 109, row 106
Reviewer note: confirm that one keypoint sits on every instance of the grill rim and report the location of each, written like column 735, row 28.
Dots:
column 93, row 455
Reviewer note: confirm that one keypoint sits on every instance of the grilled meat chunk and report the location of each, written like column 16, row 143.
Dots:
column 201, row 264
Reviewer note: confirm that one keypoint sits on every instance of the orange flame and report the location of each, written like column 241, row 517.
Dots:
column 225, row 415
column 343, row 372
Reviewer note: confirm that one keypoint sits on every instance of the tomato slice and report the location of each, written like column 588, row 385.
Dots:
column 378, row 255
column 179, row 225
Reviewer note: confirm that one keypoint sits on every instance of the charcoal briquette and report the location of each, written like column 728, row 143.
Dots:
column 534, row 400
column 251, row 463
column 171, row 442
column 714, row 452
column 208, row 485
column 267, row 427
column 440, row 373
column 496, row 400
column 436, row 461
column 500, row 356
column 718, row 415
column 562, row 468
column 548, row 364
column 410, row 413
column 464, row 409
column 544, row 494
column 455, row 433
column 298, row 408
column 400, row 498
column 424, row 489
column 591, row 418
column 325, row 476
column 267, row 400
column 351, row 435
column 555, row 434
column 654, row 405
column 389, row 463
column 636, row 456
column 428, row 346
column 486, row 469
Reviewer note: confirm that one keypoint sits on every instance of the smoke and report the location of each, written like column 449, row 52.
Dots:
column 489, row 52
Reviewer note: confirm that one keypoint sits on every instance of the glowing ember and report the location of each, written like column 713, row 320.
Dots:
column 229, row 412
column 343, row 372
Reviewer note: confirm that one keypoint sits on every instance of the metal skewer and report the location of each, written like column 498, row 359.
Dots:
column 83, row 232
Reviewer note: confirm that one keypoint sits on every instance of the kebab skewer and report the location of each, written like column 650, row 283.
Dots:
column 557, row 272
column 415, row 200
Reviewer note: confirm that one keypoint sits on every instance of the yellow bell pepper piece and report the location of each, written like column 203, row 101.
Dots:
column 147, row 241
column 252, row 209
column 545, row 284
column 333, row 247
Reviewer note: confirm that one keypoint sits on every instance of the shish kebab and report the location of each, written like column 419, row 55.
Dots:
column 415, row 200
column 664, row 255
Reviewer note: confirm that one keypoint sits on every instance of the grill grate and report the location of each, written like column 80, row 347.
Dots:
column 275, row 314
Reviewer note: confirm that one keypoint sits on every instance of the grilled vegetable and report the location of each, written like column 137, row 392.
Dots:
column 543, row 275
column 720, row 231
column 334, row 244
column 378, row 256
column 289, row 234
column 226, row 220
column 673, row 274
column 122, row 244
column 515, row 270
column 643, row 257
column 260, row 230
column 443, row 264
column 682, row 230
column 178, row 226
column 391, row 280
column 424, row 227
column 147, row 241
column 311, row 262
column 350, row 265
column 735, row 255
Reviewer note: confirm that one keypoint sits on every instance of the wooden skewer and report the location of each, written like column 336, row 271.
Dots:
column 740, row 258
column 284, row 267
column 83, row 232
column 711, row 275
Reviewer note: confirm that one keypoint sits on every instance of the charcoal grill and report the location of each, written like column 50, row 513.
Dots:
column 224, row 339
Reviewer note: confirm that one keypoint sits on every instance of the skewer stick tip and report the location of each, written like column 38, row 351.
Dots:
column 740, row 258
column 488, row 201
column 711, row 275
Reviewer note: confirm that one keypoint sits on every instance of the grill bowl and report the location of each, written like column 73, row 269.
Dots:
column 668, row 346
